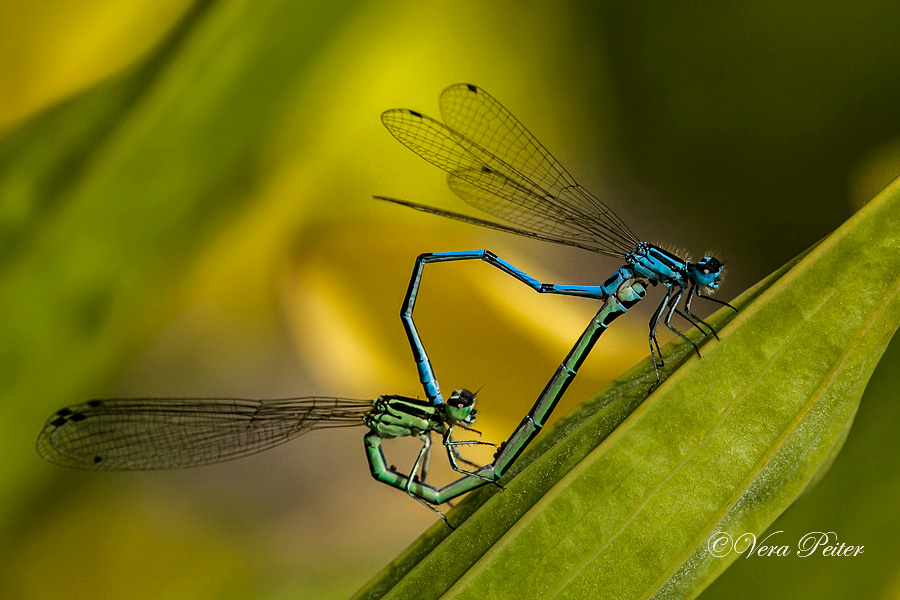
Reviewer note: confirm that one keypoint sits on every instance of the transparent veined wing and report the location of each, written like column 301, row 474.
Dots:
column 480, row 222
column 496, row 165
column 477, row 115
column 173, row 433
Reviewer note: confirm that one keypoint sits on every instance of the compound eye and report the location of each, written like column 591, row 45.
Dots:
column 461, row 398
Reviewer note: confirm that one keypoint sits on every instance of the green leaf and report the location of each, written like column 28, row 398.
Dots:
column 621, row 498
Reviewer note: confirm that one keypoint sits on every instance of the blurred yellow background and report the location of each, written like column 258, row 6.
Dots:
column 185, row 210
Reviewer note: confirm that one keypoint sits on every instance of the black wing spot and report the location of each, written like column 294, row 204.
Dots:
column 415, row 114
column 486, row 170
column 78, row 417
column 472, row 88
column 59, row 422
column 97, row 460
column 94, row 403
column 64, row 412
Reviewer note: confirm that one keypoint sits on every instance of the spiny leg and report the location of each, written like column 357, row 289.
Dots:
column 694, row 319
column 452, row 455
column 675, row 300
column 494, row 479
column 698, row 323
column 451, row 446
column 694, row 291
column 662, row 363
column 716, row 300
column 654, row 321
column 423, row 456
column 460, row 458
column 423, row 471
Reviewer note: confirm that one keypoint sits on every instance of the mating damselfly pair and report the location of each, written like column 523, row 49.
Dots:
column 496, row 165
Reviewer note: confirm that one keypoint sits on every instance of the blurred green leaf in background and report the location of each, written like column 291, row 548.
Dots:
column 184, row 210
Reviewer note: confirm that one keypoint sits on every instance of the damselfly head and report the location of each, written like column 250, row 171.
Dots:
column 706, row 272
column 461, row 406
